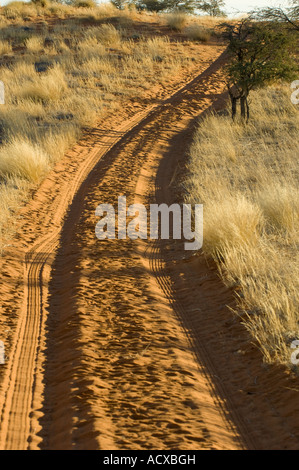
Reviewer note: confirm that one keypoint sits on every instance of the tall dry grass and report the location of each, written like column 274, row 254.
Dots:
column 5, row 47
column 197, row 32
column 24, row 160
column 176, row 20
column 247, row 178
column 196, row 28
column 67, row 68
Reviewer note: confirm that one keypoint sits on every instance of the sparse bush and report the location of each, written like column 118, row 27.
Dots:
column 34, row 44
column 197, row 33
column 251, row 206
column 41, row 3
column 5, row 47
column 49, row 87
column 85, row 4
column 119, row 4
column 251, row 66
column 176, row 20
column 23, row 159
column 212, row 7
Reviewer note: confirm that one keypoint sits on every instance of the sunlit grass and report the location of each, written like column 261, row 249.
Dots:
column 247, row 178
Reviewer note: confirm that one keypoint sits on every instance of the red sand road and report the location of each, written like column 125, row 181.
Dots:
column 131, row 345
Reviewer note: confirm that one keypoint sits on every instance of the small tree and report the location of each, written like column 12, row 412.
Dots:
column 40, row 3
column 165, row 5
column 213, row 7
column 258, row 55
column 289, row 16
column 119, row 4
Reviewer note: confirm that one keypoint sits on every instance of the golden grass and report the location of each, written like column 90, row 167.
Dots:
column 5, row 47
column 20, row 158
column 45, row 88
column 35, row 44
column 16, row 10
column 11, row 193
column 71, row 68
column 176, row 20
column 105, row 34
column 247, row 178
column 197, row 32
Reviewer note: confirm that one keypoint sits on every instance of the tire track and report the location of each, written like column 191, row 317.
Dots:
column 157, row 190
column 19, row 383
column 158, row 259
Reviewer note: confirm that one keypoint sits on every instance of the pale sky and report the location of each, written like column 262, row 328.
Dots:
column 234, row 6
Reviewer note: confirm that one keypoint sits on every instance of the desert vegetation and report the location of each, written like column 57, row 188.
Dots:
column 245, row 171
column 247, row 178
column 67, row 67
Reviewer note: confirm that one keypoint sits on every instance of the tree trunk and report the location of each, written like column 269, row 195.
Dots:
column 247, row 111
column 243, row 107
column 234, row 97
column 234, row 107
column 233, row 100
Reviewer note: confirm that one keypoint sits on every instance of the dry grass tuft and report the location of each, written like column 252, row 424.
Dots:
column 49, row 87
column 34, row 44
column 247, row 178
column 176, row 20
column 196, row 32
column 5, row 47
column 22, row 159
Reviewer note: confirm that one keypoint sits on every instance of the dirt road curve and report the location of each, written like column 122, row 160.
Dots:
column 123, row 344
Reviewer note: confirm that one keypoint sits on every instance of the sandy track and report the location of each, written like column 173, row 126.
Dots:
column 134, row 385
column 103, row 357
column 258, row 403
column 21, row 377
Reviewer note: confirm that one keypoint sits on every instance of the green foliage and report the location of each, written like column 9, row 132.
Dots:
column 289, row 16
column 166, row 5
column 85, row 3
column 41, row 3
column 213, row 7
column 152, row 5
column 259, row 54
column 119, row 4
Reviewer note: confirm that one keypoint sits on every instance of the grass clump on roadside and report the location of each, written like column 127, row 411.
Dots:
column 5, row 47
column 247, row 178
column 176, row 20
column 196, row 32
column 22, row 159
